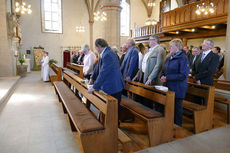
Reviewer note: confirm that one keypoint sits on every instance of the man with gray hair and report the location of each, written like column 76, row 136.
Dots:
column 129, row 66
column 88, row 61
column 123, row 50
column 152, row 63
column 207, row 65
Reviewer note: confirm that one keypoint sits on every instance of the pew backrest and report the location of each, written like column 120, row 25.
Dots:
column 77, row 68
column 103, row 102
column 58, row 70
column 222, row 84
column 158, row 96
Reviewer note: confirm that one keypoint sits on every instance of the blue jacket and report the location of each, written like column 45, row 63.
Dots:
column 109, row 77
column 176, row 70
column 129, row 66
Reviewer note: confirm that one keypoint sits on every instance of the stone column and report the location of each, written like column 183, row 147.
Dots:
column 6, row 60
column 227, row 54
column 111, row 27
column 91, row 21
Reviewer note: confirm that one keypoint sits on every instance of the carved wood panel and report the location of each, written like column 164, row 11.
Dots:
column 187, row 15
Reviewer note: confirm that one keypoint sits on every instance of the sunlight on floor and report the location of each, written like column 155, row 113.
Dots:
column 20, row 97
column 3, row 92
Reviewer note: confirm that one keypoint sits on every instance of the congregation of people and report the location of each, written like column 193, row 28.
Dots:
column 151, row 65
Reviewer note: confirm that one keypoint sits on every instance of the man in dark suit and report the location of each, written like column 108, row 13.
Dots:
column 195, row 60
column 129, row 66
column 188, row 53
column 207, row 65
column 124, row 50
column 217, row 51
column 108, row 78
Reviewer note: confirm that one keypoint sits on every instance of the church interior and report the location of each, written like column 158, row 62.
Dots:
column 51, row 103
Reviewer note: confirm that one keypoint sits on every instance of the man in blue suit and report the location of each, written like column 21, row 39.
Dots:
column 129, row 66
column 108, row 77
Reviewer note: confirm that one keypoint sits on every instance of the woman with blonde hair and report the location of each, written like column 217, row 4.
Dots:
column 174, row 76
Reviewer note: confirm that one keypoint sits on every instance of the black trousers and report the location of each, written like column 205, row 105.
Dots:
column 178, row 114
column 178, row 110
column 87, row 76
column 118, row 97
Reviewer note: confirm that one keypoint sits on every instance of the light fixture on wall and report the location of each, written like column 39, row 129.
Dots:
column 80, row 29
column 22, row 8
column 150, row 21
column 151, row 3
column 100, row 16
column 205, row 8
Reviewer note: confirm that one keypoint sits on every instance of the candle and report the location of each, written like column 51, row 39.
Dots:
column 16, row 53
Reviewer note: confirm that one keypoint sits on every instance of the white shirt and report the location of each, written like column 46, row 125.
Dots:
column 88, row 63
column 144, row 62
column 204, row 54
column 140, row 59
column 102, row 52
column 195, row 56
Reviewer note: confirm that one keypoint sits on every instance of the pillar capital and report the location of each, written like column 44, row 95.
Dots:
column 111, row 2
column 111, row 6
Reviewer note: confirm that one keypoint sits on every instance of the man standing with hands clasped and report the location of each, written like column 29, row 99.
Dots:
column 109, row 78
column 129, row 66
column 152, row 63
column 207, row 65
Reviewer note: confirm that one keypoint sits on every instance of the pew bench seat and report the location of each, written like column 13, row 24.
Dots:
column 192, row 106
column 66, row 69
column 125, row 141
column 138, row 108
column 96, row 135
column 225, row 101
column 202, row 113
column 222, row 99
column 80, row 116
column 224, row 86
column 159, row 124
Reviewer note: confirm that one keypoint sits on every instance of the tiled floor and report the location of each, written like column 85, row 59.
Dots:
column 32, row 120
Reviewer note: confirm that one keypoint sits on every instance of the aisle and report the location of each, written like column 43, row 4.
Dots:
column 32, row 121
column 7, row 84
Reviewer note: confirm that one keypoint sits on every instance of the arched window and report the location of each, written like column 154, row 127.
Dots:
column 125, row 21
column 51, row 16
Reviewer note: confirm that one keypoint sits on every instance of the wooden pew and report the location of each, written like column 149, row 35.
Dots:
column 190, row 79
column 223, row 85
column 125, row 141
column 77, row 68
column 203, row 114
column 160, row 126
column 96, row 136
column 218, row 73
column 58, row 70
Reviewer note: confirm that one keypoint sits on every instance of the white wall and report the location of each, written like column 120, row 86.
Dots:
column 6, row 57
column 156, row 11
column 74, row 14
column 174, row 4
column 138, row 14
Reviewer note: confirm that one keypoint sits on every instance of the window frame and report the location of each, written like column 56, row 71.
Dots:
column 60, row 31
column 128, row 20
